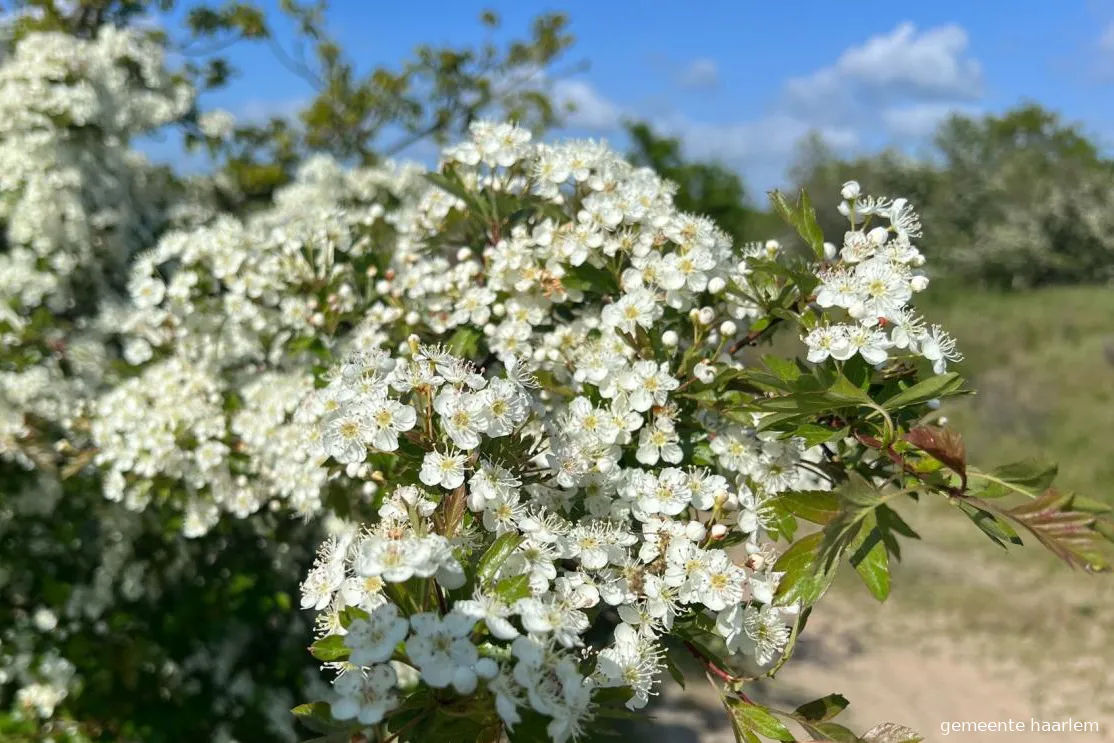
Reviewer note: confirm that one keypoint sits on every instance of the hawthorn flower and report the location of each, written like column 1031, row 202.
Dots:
column 761, row 630
column 373, row 640
column 632, row 661
column 504, row 407
column 938, row 346
column 648, row 385
column 492, row 611
column 366, row 695
column 637, row 308
column 659, row 441
column 554, row 617
column 462, row 417
column 386, row 419
column 346, row 437
column 723, row 582
column 446, row 470
column 439, row 647
column 871, row 344
column 320, row 585
column 395, row 561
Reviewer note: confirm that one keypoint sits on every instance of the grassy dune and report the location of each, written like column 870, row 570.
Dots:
column 1043, row 365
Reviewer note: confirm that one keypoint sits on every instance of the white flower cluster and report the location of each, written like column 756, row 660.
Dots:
column 169, row 430
column 526, row 289
column 241, row 291
column 76, row 202
column 873, row 278
column 588, row 532
column 214, row 316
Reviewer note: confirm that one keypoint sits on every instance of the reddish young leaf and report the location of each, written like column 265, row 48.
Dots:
column 943, row 444
column 1068, row 534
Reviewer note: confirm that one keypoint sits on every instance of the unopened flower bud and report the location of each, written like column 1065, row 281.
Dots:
column 918, row 283
column 695, row 531
column 704, row 372
column 716, row 284
column 669, row 339
column 933, row 404
column 382, row 287
column 728, row 328
column 705, row 315
column 878, row 236
column 830, row 251
column 719, row 531
column 463, row 254
column 850, row 190
column 412, row 318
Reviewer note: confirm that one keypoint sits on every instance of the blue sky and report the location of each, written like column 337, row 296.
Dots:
column 742, row 81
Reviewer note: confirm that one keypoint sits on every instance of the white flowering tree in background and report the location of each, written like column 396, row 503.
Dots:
column 551, row 438
column 132, row 413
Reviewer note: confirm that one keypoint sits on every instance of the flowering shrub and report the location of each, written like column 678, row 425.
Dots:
column 579, row 469
column 519, row 400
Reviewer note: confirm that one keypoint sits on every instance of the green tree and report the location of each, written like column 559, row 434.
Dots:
column 1017, row 200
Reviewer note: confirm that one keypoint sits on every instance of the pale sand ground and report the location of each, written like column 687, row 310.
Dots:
column 970, row 634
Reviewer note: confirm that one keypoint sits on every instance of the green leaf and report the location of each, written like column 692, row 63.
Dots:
column 329, row 648
column 891, row 732
column 350, row 614
column 805, row 578
column 465, row 342
column 1089, row 505
column 816, row 506
column 870, row 558
column 496, row 555
column 998, row 530
column 318, row 717
column 450, row 182
column 846, row 392
column 859, row 499
column 514, row 588
column 756, row 719
column 587, row 277
column 829, row 731
column 675, row 671
column 932, row 388
column 802, row 217
column 814, row 435
column 784, row 369
column 1029, row 477
column 824, row 708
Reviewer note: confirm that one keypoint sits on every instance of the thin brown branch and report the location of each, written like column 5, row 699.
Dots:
column 711, row 667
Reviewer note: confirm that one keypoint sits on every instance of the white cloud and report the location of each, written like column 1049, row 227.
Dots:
column 699, row 73
column 899, row 85
column 769, row 139
column 591, row 110
column 918, row 120
column 904, row 64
